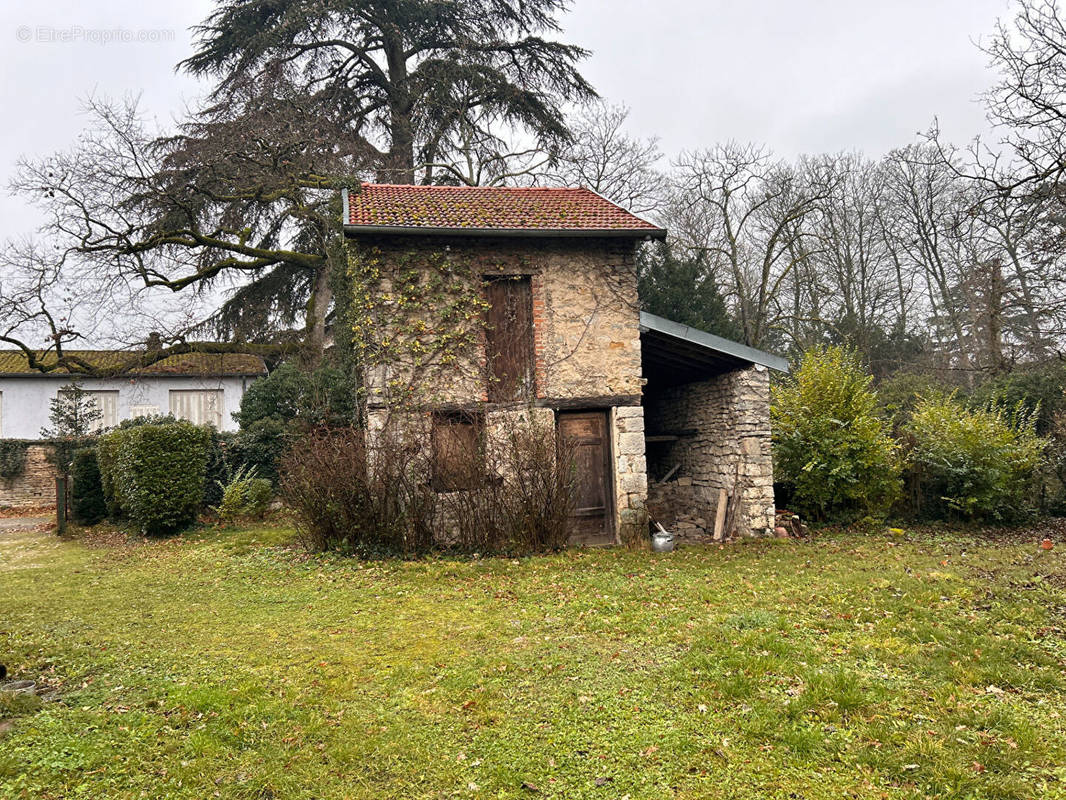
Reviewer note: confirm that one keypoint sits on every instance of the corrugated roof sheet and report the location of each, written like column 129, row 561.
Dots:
column 14, row 362
column 487, row 209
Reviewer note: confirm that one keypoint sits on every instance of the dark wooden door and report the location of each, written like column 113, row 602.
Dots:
column 509, row 338
column 583, row 438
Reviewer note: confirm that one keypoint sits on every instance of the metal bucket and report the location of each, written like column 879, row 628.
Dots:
column 662, row 542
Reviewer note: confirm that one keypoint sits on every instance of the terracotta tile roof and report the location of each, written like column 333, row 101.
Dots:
column 490, row 210
column 13, row 362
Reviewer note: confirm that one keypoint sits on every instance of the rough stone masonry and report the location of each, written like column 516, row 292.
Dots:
column 36, row 486
column 723, row 423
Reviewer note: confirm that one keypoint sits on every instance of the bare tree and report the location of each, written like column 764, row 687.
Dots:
column 602, row 157
column 864, row 290
column 924, row 226
column 744, row 214
column 244, row 194
column 1029, row 99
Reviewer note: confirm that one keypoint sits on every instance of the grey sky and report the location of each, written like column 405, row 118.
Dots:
column 807, row 76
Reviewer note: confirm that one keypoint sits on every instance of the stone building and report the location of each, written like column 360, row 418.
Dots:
column 477, row 303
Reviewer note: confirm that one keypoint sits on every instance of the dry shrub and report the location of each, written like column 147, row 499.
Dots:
column 521, row 502
column 349, row 499
column 385, row 499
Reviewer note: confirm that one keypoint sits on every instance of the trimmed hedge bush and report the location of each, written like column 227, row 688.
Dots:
column 979, row 464
column 154, row 473
column 107, row 449
column 831, row 446
column 87, row 492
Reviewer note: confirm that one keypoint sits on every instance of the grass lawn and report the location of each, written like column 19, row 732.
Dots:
column 228, row 664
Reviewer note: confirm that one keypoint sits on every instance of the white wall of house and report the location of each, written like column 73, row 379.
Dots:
column 25, row 401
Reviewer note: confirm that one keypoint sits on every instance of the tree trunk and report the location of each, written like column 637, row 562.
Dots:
column 400, row 160
column 318, row 309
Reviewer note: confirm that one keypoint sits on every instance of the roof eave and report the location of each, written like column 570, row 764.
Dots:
column 652, row 322
column 124, row 375
column 513, row 233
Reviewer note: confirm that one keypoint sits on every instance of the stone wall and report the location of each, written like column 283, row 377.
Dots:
column 36, row 486
column 586, row 339
column 585, row 314
column 721, row 423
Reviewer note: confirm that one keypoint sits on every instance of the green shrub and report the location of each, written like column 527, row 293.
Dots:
column 899, row 395
column 324, row 396
column 258, row 447
column 831, row 447
column 12, row 458
column 980, row 464
column 245, row 496
column 87, row 492
column 222, row 460
column 107, row 448
column 154, row 473
column 1039, row 390
column 261, row 444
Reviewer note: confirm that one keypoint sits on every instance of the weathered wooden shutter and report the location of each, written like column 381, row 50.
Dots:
column 509, row 338
column 107, row 402
column 457, row 457
column 198, row 406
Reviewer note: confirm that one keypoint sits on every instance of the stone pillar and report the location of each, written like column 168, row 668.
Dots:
column 750, row 397
column 630, row 472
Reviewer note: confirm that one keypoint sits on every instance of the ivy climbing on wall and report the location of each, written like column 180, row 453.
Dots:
column 415, row 322
column 12, row 458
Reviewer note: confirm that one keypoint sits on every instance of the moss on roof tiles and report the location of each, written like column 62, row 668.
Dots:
column 14, row 362
column 488, row 208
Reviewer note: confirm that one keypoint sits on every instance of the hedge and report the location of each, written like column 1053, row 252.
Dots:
column 87, row 492
column 154, row 474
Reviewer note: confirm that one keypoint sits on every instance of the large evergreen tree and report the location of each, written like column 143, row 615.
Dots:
column 413, row 76
column 682, row 290
column 310, row 96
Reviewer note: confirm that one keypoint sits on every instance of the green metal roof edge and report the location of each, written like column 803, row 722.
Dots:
column 651, row 322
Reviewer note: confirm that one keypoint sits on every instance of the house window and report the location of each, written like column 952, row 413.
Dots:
column 198, row 406
column 458, row 461
column 106, row 402
column 143, row 410
column 509, row 338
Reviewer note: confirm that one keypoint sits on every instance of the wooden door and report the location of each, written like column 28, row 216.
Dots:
column 583, row 437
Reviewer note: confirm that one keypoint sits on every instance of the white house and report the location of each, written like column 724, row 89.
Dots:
column 203, row 388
